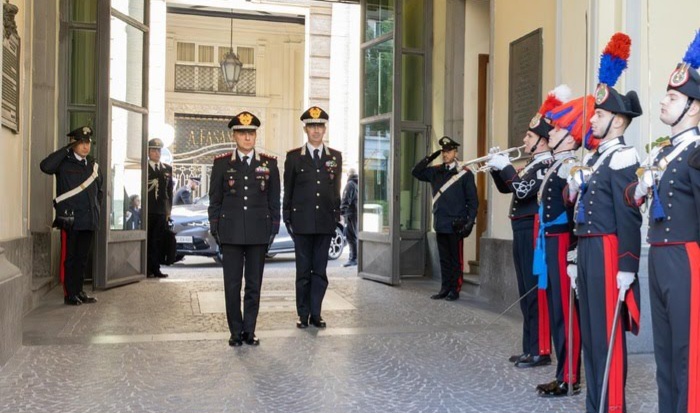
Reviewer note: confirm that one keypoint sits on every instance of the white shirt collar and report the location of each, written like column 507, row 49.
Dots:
column 153, row 164
column 250, row 155
column 452, row 165
column 78, row 157
column 542, row 156
column 605, row 145
column 564, row 154
column 311, row 149
column 691, row 133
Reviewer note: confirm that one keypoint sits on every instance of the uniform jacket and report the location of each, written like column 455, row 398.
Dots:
column 524, row 185
column 160, row 189
column 244, row 201
column 69, row 174
column 459, row 201
column 183, row 196
column 606, row 210
column 348, row 205
column 552, row 195
column 312, row 195
column 679, row 193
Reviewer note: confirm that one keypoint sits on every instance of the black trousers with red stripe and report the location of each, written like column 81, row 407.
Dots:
column 597, row 272
column 559, row 297
column 670, row 288
column 76, row 253
column 523, row 253
column 450, row 250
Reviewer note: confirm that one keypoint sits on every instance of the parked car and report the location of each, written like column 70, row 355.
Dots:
column 191, row 227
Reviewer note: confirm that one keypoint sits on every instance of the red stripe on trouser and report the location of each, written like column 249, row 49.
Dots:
column 62, row 265
column 565, row 294
column 616, row 396
column 460, row 254
column 693, row 250
column 544, row 337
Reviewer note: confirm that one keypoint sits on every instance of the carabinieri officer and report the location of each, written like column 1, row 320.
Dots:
column 244, row 216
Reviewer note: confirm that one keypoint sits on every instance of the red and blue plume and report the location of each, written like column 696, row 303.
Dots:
column 614, row 59
column 570, row 116
column 692, row 55
column 559, row 95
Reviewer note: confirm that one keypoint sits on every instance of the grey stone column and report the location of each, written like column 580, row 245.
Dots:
column 11, row 296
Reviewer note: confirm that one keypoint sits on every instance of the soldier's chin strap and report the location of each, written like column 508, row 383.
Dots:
column 554, row 149
column 609, row 126
column 685, row 110
column 534, row 147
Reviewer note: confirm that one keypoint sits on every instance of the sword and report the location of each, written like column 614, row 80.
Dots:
column 569, row 349
column 608, row 359
column 511, row 306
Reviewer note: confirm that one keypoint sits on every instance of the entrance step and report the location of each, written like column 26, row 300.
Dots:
column 473, row 267
column 471, row 284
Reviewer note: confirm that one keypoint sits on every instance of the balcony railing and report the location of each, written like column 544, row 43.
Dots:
column 208, row 79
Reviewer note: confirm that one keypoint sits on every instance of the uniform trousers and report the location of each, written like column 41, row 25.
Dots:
column 449, row 248
column 674, row 288
column 523, row 253
column 235, row 259
column 559, row 296
column 157, row 225
column 598, row 292
column 311, row 253
column 75, row 252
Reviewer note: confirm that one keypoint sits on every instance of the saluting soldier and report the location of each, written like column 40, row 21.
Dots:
column 160, row 202
column 674, row 236
column 79, row 196
column 455, row 204
column 311, row 209
column 556, row 242
column 183, row 196
column 608, row 235
column 524, row 185
column 244, row 216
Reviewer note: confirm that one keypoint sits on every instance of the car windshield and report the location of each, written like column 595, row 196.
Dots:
column 203, row 200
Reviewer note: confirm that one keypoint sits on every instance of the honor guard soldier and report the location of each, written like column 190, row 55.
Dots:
column 311, row 209
column 608, row 235
column 674, row 235
column 160, row 197
column 78, row 201
column 244, row 216
column 455, row 204
column 556, row 242
column 524, row 185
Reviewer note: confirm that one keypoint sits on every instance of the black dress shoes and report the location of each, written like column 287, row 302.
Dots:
column 160, row 275
column 72, row 300
column 86, row 299
column 452, row 296
column 317, row 322
column 557, row 389
column 439, row 296
column 235, row 341
column 303, row 322
column 250, row 339
column 534, row 361
column 517, row 358
column 350, row 263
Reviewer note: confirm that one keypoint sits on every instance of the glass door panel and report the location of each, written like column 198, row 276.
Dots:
column 376, row 142
column 127, row 129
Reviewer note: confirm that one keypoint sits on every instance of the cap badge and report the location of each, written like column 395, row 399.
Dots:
column 86, row 130
column 679, row 77
column 315, row 112
column 601, row 93
column 535, row 121
column 245, row 118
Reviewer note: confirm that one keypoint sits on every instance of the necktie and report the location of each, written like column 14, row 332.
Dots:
column 245, row 161
column 157, row 167
column 84, row 162
column 317, row 159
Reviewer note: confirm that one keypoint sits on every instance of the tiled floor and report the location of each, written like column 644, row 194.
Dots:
column 161, row 346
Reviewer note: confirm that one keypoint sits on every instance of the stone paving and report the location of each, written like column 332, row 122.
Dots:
column 148, row 347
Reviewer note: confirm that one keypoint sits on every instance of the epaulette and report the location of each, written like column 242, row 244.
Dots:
column 624, row 158
column 565, row 167
column 294, row 149
column 267, row 155
column 223, row 155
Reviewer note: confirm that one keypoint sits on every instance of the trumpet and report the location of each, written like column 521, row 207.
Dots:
column 479, row 164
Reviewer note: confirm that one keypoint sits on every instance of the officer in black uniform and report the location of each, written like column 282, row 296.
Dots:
column 524, row 185
column 311, row 209
column 160, row 196
column 674, row 236
column 244, row 216
column 183, row 196
column 77, row 210
column 608, row 245
column 455, row 205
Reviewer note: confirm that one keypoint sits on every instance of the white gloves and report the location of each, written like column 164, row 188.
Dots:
column 646, row 181
column 572, row 272
column 495, row 149
column 624, row 280
column 576, row 180
column 498, row 162
column 572, row 257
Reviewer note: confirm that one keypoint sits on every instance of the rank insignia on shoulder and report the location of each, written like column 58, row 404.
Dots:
column 224, row 155
column 267, row 155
